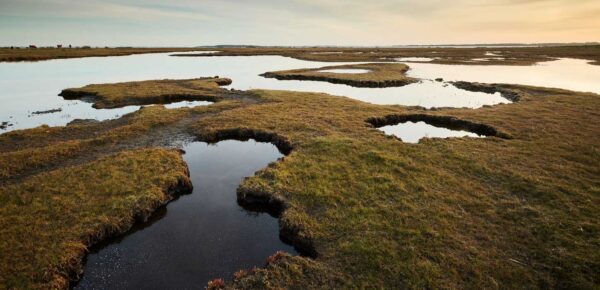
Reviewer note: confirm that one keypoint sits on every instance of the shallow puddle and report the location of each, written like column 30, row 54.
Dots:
column 198, row 237
column 187, row 104
column 412, row 132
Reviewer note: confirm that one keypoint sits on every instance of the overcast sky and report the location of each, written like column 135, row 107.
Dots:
column 296, row 22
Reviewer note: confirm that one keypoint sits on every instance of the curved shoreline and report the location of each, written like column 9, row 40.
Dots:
column 255, row 199
column 448, row 122
column 334, row 80
column 379, row 75
column 343, row 177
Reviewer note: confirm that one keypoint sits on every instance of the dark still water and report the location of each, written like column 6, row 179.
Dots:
column 198, row 237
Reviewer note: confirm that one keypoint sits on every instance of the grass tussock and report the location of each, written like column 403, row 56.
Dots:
column 48, row 221
column 308, row 274
column 378, row 75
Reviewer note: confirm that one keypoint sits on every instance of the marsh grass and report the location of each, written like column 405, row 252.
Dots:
column 374, row 212
column 378, row 75
column 452, row 55
column 441, row 55
column 150, row 92
column 38, row 54
column 47, row 221
column 452, row 214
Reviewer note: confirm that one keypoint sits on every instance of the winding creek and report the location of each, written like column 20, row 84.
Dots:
column 198, row 237
column 206, row 235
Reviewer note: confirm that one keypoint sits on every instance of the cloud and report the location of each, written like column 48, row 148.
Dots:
column 299, row 22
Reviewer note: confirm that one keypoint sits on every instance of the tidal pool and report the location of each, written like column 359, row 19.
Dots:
column 187, row 104
column 412, row 132
column 198, row 237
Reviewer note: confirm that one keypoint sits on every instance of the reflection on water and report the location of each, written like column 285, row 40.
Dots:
column 202, row 236
column 426, row 93
column 570, row 74
column 28, row 87
column 411, row 132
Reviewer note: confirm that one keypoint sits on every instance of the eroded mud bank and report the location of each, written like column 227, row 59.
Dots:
column 377, row 75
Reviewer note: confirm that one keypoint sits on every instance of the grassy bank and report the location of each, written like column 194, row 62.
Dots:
column 47, row 221
column 63, row 189
column 514, row 211
column 378, row 75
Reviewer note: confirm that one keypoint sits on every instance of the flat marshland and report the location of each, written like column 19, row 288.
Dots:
column 440, row 55
column 45, row 53
column 515, row 209
column 443, row 55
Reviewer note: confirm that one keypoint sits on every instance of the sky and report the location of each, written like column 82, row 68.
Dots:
column 296, row 22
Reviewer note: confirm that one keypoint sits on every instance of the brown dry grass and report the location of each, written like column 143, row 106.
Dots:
column 150, row 92
column 27, row 54
column 47, row 221
column 453, row 214
column 40, row 152
column 454, row 55
column 379, row 75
